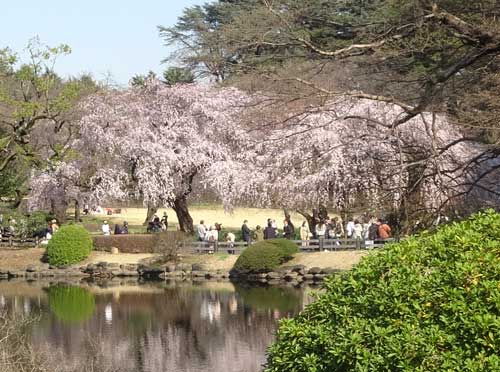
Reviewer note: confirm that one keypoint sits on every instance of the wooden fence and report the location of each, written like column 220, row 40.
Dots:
column 14, row 242
column 315, row 245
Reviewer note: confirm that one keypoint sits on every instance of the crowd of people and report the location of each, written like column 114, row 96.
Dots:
column 365, row 228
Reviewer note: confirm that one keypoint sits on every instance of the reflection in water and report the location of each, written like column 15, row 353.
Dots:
column 179, row 326
column 70, row 303
column 108, row 314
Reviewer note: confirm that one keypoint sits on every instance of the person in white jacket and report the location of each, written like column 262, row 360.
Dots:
column 106, row 230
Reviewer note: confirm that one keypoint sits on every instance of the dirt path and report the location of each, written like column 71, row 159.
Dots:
column 20, row 259
column 338, row 260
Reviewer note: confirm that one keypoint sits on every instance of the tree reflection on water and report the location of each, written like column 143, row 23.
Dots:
column 177, row 326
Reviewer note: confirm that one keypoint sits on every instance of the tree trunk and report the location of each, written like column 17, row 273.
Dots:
column 58, row 209
column 183, row 216
column 309, row 218
column 151, row 212
column 77, row 211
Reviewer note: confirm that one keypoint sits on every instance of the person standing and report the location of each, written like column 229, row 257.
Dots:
column 366, row 228
column 320, row 230
column 55, row 226
column 164, row 222
column 288, row 230
column 259, row 234
column 384, row 230
column 246, row 233
column 125, row 227
column 349, row 229
column 357, row 232
column 230, row 239
column 201, row 231
column 305, row 234
column 373, row 230
column 269, row 231
column 106, row 230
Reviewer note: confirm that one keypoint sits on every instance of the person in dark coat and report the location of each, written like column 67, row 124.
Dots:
column 288, row 230
column 246, row 233
column 373, row 230
column 269, row 231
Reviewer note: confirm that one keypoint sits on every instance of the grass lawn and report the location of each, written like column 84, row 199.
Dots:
column 207, row 212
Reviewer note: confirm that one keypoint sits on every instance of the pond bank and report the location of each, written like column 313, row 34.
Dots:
column 305, row 267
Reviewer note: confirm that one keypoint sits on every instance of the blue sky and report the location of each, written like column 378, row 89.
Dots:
column 106, row 36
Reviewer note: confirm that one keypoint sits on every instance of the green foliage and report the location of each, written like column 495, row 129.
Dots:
column 140, row 80
column 178, row 75
column 69, row 245
column 37, row 221
column 260, row 257
column 71, row 304
column 429, row 303
column 288, row 248
column 26, row 225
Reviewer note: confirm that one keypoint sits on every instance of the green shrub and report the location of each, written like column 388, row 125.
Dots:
column 287, row 247
column 258, row 258
column 38, row 221
column 69, row 245
column 429, row 303
column 71, row 304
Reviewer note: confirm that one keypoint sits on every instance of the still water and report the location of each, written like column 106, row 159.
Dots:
column 153, row 327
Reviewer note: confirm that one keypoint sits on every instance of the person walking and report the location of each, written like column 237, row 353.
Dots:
column 246, row 233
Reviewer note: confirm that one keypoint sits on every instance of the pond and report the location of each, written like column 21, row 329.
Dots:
column 155, row 326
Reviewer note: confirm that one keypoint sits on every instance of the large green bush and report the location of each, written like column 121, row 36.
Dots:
column 71, row 304
column 429, row 303
column 288, row 247
column 69, row 245
column 259, row 258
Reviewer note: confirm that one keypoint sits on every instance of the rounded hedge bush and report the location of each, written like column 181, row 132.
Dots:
column 71, row 304
column 259, row 258
column 288, row 247
column 429, row 303
column 69, row 245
